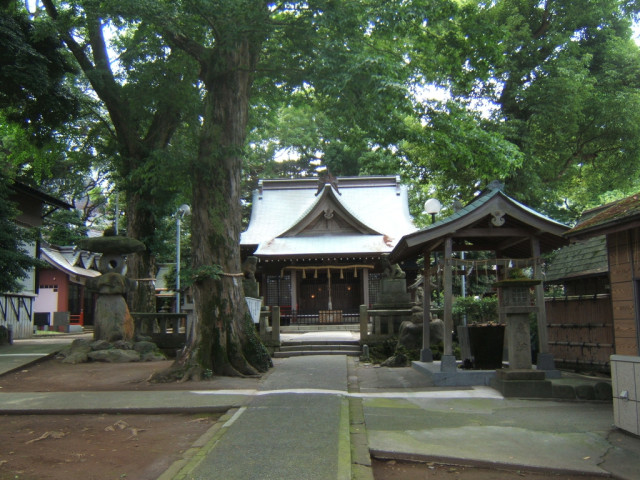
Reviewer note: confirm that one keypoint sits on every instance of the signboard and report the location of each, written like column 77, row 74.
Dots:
column 254, row 304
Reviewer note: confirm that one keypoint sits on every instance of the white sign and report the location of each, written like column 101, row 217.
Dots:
column 254, row 305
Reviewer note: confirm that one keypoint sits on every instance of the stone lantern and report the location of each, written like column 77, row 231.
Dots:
column 517, row 301
column 112, row 318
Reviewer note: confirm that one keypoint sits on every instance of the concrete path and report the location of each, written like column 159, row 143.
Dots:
column 533, row 435
column 296, row 428
column 24, row 352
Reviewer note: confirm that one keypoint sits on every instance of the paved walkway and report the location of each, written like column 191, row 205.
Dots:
column 24, row 352
column 316, row 417
column 296, row 428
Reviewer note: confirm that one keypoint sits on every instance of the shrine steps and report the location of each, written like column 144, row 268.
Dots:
column 297, row 349
column 348, row 327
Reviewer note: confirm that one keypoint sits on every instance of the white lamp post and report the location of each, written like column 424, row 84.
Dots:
column 183, row 211
column 432, row 207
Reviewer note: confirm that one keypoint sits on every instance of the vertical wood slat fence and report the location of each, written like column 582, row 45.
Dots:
column 580, row 330
column 16, row 313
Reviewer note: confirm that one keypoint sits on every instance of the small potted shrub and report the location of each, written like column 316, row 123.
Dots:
column 482, row 338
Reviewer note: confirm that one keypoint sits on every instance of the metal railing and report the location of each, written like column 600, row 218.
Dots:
column 77, row 319
column 289, row 317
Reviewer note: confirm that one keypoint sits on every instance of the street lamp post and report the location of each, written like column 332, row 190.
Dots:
column 183, row 211
column 431, row 207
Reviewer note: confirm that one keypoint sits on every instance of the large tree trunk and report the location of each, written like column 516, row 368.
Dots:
column 141, row 225
column 225, row 341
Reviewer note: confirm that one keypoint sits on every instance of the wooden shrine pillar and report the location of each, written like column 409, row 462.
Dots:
column 448, row 359
column 293, row 291
column 545, row 358
column 448, row 297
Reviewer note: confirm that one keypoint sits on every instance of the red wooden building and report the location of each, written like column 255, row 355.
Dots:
column 61, row 286
column 16, row 308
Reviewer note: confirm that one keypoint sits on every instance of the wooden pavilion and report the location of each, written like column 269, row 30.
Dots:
column 492, row 222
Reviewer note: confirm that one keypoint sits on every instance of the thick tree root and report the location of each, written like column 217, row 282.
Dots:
column 184, row 371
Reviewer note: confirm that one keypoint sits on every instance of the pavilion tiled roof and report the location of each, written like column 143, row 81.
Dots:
column 578, row 260
column 475, row 217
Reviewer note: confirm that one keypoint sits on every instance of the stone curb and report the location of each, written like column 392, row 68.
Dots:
column 179, row 469
column 360, row 457
column 466, row 462
column 344, row 442
column 36, row 359
column 116, row 410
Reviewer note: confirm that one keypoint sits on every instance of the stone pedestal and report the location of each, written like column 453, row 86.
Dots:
column 393, row 296
column 389, row 323
column 522, row 383
column 112, row 318
column 448, row 364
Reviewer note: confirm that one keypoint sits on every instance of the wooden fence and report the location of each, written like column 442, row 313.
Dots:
column 580, row 330
column 16, row 313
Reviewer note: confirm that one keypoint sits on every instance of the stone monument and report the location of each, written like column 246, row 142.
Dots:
column 113, row 321
column 393, row 295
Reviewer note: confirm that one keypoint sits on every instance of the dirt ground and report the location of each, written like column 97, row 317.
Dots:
column 141, row 447
column 54, row 376
column 94, row 447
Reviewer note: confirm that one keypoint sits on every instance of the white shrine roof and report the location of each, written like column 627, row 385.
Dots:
column 372, row 212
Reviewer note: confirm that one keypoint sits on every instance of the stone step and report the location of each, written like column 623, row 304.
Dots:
column 300, row 353
column 318, row 347
column 292, row 347
column 351, row 343
column 355, row 327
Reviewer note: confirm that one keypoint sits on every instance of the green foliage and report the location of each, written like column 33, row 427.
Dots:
column 534, row 95
column 476, row 309
column 15, row 261
column 33, row 67
column 380, row 351
column 66, row 227
column 451, row 152
column 564, row 79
